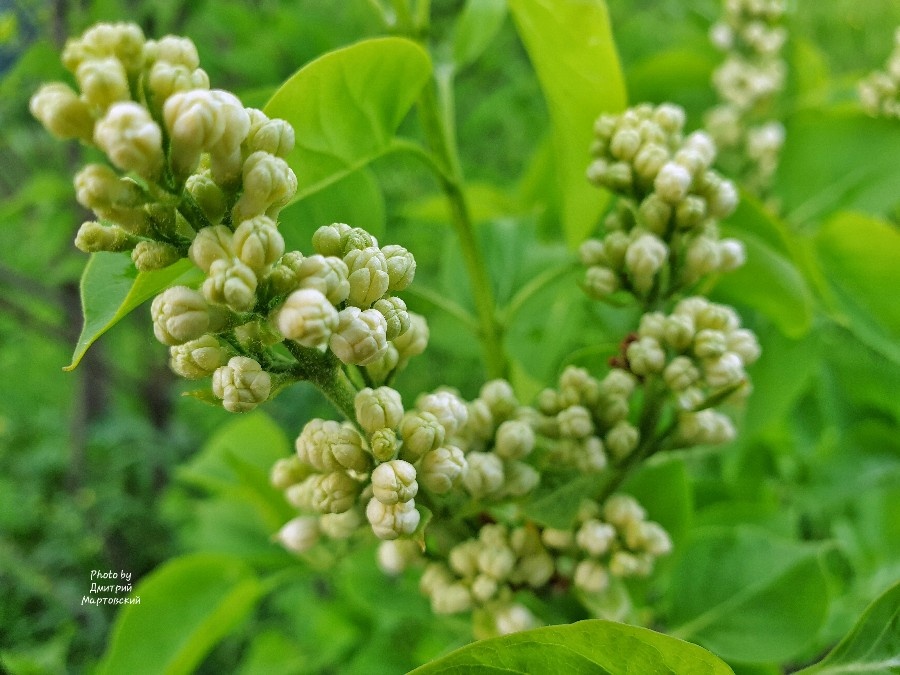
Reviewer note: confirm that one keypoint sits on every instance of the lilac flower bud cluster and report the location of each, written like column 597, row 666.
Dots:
column 751, row 34
column 663, row 235
column 879, row 92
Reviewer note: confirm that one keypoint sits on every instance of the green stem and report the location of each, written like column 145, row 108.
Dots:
column 439, row 138
column 324, row 371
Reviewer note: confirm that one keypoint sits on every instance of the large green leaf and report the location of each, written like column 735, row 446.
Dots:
column 873, row 646
column 859, row 256
column 570, row 44
column 748, row 596
column 556, row 501
column 346, row 106
column 111, row 287
column 186, row 607
column 476, row 28
column 595, row 646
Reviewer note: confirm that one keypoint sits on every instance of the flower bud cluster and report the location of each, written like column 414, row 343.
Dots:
column 879, row 92
column 663, row 234
column 615, row 540
column 587, row 420
column 752, row 36
column 483, row 572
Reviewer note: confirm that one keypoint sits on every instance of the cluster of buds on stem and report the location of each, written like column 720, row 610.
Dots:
column 751, row 34
column 663, row 235
column 879, row 92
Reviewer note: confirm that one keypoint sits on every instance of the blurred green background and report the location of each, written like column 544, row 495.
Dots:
column 108, row 467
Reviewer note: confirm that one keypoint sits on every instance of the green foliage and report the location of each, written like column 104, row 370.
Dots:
column 587, row 646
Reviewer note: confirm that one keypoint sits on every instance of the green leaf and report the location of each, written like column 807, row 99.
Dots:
column 111, row 287
column 768, row 282
column 478, row 24
column 571, row 46
column 873, row 646
column 346, row 106
column 748, row 596
column 663, row 489
column 859, row 257
column 556, row 501
column 593, row 646
column 186, row 607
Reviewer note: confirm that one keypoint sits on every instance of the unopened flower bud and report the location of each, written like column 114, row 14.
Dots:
column 591, row 576
column 288, row 471
column 514, row 618
column 258, row 243
column 61, row 112
column 334, row 492
column 484, row 475
column 392, row 521
column 154, row 255
column 652, row 324
column 442, row 469
column 672, row 182
column 731, row 254
column 307, row 318
column 360, row 337
column 575, row 422
column 394, row 481
column 723, row 371
column 328, row 239
column 618, row 382
column 173, row 49
column 327, row 445
column 644, row 257
column 93, row 237
column 679, row 331
column 273, row 136
column 500, row 398
column 622, row 439
column 624, row 564
column 341, row 525
column 519, row 478
column 165, row 79
column 414, row 340
column 401, row 267
column 395, row 314
column 515, row 439
column 421, row 432
column 131, row 139
column 231, row 282
column 600, row 282
column 620, row 510
column 197, row 358
column 384, row 445
column 211, row 244
column 269, row 184
column 645, row 356
column 368, row 276
column 624, row 144
column 179, row 314
column 451, row 599
column 241, row 385
column 327, row 275
column 378, row 408
column 595, row 537
column 300, row 534
column 449, row 409
column 681, row 373
column 496, row 561
column 103, row 81
column 396, row 555
column 743, row 343
column 709, row 343
column 702, row 258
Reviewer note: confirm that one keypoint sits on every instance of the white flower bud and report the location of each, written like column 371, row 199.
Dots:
column 591, row 577
column 702, row 258
column 165, row 79
column 194, row 124
column 591, row 252
column 645, row 356
column 679, row 331
column 650, row 159
column 519, row 478
column 231, row 282
column 655, row 213
column 287, row 471
column 307, row 318
column 618, row 382
column 500, row 398
column 378, row 408
column 396, row 555
column 382, row 367
column 179, row 314
column 644, row 258
column 717, row 317
column 496, row 561
column 395, row 314
column 622, row 439
column 327, row 445
column 515, row 439
column 442, row 469
column 392, row 521
column 197, row 358
column 463, row 558
column 103, row 81
column 743, row 342
column 624, row 564
column 93, row 237
column 368, row 276
column 615, row 247
column 384, row 445
column 300, row 534
column 724, row 200
column 451, row 599
column 173, row 49
column 401, row 267
column 269, row 184
column 600, row 282
column 652, row 324
column 131, row 139
column 672, row 182
column 328, row 275
column 421, row 432
column 258, row 243
column 484, row 475
column 557, row 539
column 654, row 539
column 484, row 588
column 61, row 112
column 624, row 144
column 595, row 537
column 723, row 371
column 620, row 510
column 575, row 422
column 394, row 482
column 340, row 525
column 208, row 195
column 328, row 240
column 241, row 385
column 448, row 408
column 273, row 136
column 709, row 343
column 690, row 212
column 154, row 255
column 211, row 244
column 225, row 152
column 334, row 492
column 613, row 409
column 705, row 427
column 731, row 254
column 514, row 618
column 360, row 337
column 681, row 373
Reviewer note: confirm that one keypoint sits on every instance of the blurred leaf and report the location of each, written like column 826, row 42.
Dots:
column 587, row 646
column 873, row 646
column 476, row 28
column 346, row 106
column 571, row 46
column 663, row 490
column 859, row 256
column 770, row 283
column 748, row 596
column 556, row 501
column 186, row 607
column 680, row 74
column 272, row 651
column 111, row 287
